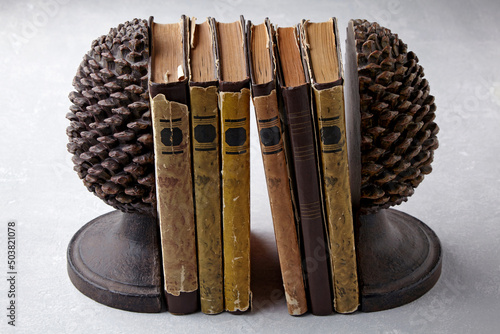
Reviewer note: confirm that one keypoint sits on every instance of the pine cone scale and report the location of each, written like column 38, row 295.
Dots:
column 110, row 125
column 397, row 118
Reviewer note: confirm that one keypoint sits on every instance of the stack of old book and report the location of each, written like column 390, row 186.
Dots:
column 297, row 90
column 200, row 78
column 200, row 104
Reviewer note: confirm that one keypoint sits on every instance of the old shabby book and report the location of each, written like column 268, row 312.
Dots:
column 234, row 104
column 265, row 100
column 321, row 52
column 203, row 89
column 169, row 97
column 297, row 108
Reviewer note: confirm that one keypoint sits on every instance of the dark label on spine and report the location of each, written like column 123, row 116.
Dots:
column 205, row 133
column 171, row 136
column 270, row 135
column 330, row 134
column 235, row 136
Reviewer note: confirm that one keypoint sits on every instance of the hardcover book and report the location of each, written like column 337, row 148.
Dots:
column 203, row 89
column 234, row 104
column 169, row 97
column 265, row 100
column 295, row 90
column 322, row 57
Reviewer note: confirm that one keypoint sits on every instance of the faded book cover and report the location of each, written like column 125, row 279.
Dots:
column 169, row 97
column 234, row 104
column 265, row 99
column 203, row 88
column 322, row 53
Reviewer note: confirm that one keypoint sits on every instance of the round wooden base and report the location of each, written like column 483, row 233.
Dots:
column 115, row 260
column 399, row 259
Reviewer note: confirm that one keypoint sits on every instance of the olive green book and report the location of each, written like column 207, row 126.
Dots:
column 203, row 89
column 321, row 54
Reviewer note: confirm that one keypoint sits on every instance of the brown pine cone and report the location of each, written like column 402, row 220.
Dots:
column 110, row 133
column 398, row 133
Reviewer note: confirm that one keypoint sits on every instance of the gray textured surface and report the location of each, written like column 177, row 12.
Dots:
column 42, row 43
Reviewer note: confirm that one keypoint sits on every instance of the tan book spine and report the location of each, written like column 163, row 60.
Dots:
column 262, row 66
column 169, row 96
column 337, row 196
column 235, row 130
column 278, row 187
column 174, row 194
column 207, row 190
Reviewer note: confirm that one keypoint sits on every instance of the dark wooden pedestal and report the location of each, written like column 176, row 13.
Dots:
column 399, row 259
column 115, row 260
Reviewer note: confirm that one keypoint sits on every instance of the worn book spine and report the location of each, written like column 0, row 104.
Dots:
column 234, row 101
column 330, row 116
column 331, row 136
column 207, row 191
column 278, row 187
column 174, row 191
column 300, row 129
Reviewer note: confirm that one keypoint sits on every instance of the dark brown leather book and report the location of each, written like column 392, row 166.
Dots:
column 263, row 77
column 321, row 51
column 234, row 103
column 169, row 97
column 295, row 90
column 205, row 118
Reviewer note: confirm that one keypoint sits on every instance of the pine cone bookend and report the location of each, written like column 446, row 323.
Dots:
column 110, row 134
column 391, row 139
column 115, row 258
column 398, row 133
column 110, row 137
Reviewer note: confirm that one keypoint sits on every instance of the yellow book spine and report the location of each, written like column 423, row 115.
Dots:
column 206, row 171
column 235, row 130
column 331, row 126
column 174, row 194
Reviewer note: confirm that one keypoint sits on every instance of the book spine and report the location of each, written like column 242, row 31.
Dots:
column 301, row 136
column 235, row 119
column 278, row 187
column 337, row 196
column 174, row 194
column 206, row 175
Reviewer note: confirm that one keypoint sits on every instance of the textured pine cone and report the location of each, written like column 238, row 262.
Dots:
column 110, row 133
column 398, row 133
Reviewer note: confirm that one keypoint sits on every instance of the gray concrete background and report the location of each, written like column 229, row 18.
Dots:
column 42, row 44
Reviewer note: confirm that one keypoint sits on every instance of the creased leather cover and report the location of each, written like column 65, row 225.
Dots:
column 273, row 156
column 301, row 136
column 331, row 124
column 175, row 198
column 206, row 172
column 235, row 119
